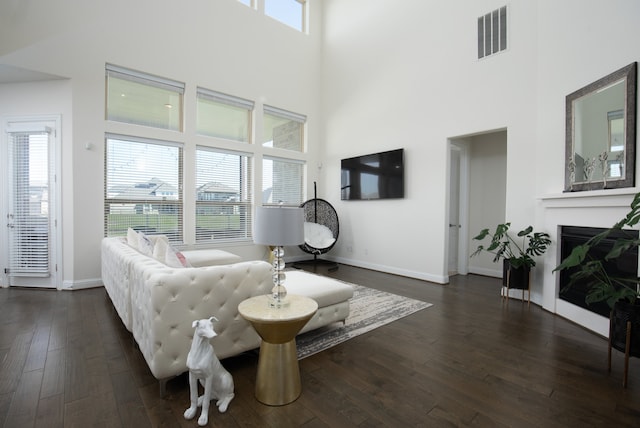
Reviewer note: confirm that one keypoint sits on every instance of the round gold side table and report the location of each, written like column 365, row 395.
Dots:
column 278, row 377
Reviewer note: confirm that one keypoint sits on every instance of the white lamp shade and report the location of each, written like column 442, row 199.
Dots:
column 278, row 226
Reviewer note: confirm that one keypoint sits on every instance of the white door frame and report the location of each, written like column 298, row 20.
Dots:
column 27, row 123
column 462, row 148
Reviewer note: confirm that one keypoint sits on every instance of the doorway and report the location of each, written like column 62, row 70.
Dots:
column 458, row 173
column 30, row 253
column 477, row 194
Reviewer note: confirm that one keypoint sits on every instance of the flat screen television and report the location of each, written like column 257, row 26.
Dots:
column 373, row 176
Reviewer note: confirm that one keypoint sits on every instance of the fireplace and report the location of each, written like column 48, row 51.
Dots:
column 627, row 264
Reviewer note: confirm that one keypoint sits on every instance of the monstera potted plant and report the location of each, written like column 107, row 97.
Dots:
column 517, row 253
column 621, row 292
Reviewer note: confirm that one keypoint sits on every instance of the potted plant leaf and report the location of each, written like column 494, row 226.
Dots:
column 517, row 252
column 621, row 292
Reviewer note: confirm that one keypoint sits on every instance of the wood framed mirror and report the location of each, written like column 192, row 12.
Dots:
column 601, row 133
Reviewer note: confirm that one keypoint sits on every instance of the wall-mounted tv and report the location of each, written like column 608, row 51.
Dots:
column 374, row 176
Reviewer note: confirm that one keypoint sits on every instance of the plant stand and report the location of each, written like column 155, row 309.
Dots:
column 624, row 333
column 513, row 278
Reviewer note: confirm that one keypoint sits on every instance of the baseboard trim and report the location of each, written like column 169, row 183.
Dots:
column 496, row 273
column 82, row 284
column 390, row 269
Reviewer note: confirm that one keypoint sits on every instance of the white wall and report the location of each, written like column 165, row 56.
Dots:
column 408, row 76
column 221, row 45
column 582, row 42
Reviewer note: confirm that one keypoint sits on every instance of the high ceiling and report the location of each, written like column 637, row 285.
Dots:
column 11, row 74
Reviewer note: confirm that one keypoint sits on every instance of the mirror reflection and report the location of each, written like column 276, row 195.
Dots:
column 600, row 146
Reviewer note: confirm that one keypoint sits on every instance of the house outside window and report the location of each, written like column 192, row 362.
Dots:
column 223, row 195
column 282, row 181
column 283, row 129
column 282, row 174
column 143, row 182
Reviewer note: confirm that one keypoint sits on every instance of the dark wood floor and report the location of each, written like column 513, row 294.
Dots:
column 469, row 360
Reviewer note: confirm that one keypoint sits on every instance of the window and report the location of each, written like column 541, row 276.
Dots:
column 290, row 12
column 223, row 195
column 283, row 129
column 143, row 99
column 282, row 181
column 492, row 32
column 143, row 187
column 223, row 116
column 145, row 176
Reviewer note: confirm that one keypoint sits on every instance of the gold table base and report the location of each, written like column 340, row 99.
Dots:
column 278, row 377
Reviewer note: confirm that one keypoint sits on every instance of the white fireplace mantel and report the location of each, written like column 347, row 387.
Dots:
column 600, row 208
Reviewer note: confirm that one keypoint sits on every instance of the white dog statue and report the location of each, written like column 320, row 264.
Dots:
column 203, row 365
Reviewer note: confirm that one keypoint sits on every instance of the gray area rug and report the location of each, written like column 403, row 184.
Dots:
column 369, row 309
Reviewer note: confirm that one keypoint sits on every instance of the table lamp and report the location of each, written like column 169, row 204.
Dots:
column 277, row 227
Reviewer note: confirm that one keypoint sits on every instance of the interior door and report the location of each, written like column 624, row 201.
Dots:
column 454, row 210
column 30, row 208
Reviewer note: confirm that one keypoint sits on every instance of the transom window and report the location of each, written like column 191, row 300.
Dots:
column 283, row 129
column 143, row 99
column 223, row 116
column 289, row 12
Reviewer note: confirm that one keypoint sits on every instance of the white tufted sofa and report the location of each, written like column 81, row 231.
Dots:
column 158, row 303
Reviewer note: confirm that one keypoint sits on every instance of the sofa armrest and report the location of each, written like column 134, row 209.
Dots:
column 117, row 259
column 166, row 301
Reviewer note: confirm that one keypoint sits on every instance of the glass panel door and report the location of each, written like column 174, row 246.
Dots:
column 28, row 218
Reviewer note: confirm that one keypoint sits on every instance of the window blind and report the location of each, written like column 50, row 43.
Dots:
column 223, row 116
column 144, row 78
column 223, row 195
column 143, row 186
column 29, row 228
column 275, row 111
column 225, row 99
column 283, row 129
column 143, row 99
column 282, row 181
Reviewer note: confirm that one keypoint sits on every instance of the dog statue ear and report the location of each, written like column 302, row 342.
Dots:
column 212, row 319
column 195, row 323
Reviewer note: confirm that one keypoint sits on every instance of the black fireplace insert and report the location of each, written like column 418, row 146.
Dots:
column 626, row 264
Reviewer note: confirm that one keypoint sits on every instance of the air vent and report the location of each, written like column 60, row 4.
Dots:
column 492, row 32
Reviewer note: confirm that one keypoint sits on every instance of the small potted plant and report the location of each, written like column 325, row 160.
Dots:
column 517, row 253
column 620, row 292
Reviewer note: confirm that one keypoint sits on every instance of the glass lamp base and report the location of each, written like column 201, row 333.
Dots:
column 278, row 303
column 278, row 297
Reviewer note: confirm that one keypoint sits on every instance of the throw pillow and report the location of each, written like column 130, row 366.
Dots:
column 174, row 258
column 132, row 238
column 145, row 246
column 317, row 235
column 160, row 249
